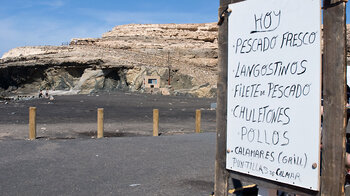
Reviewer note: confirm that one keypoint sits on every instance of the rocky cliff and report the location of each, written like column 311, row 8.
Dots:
column 185, row 54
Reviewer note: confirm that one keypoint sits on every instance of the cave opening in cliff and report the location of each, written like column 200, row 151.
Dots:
column 21, row 78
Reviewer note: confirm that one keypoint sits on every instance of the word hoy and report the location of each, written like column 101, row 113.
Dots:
column 267, row 22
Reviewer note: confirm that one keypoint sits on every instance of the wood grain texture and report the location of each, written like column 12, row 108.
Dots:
column 334, row 94
column 100, row 118
column 198, row 121
column 155, row 122
column 32, row 123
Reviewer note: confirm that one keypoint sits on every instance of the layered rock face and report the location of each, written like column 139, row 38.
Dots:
column 185, row 54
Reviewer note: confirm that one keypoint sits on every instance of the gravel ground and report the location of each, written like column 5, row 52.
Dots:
column 178, row 165
column 126, row 114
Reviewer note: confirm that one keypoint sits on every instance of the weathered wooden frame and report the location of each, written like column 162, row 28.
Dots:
column 334, row 94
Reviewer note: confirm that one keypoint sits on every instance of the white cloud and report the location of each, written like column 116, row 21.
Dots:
column 27, row 28
column 53, row 4
column 32, row 4
column 122, row 17
column 16, row 33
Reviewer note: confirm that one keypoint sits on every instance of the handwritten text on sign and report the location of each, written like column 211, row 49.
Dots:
column 274, row 84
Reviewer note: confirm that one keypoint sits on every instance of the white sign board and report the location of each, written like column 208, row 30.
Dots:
column 274, row 90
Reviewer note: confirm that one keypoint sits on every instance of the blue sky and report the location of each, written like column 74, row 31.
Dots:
column 53, row 22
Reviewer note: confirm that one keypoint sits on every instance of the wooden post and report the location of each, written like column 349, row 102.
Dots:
column 100, row 123
column 169, row 69
column 334, row 99
column 221, row 174
column 32, row 123
column 198, row 121
column 155, row 122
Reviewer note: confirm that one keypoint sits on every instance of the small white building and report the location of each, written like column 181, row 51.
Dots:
column 152, row 82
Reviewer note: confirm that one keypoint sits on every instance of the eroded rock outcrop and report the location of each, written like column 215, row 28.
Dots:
column 185, row 54
column 119, row 60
